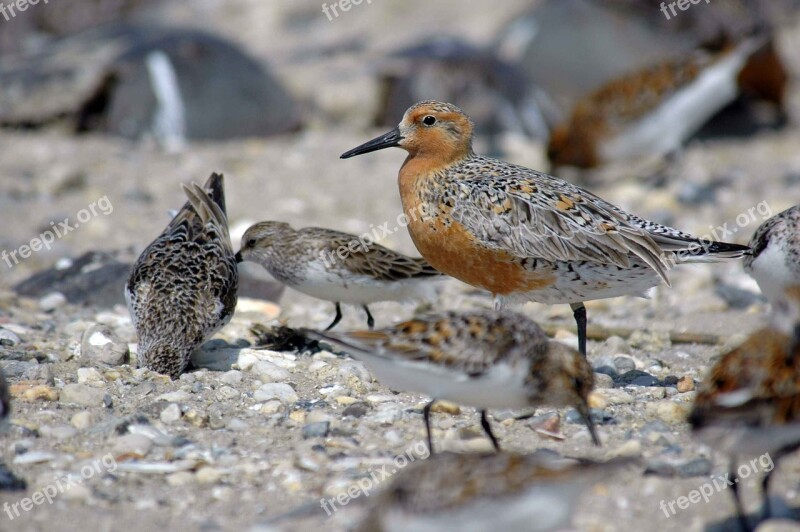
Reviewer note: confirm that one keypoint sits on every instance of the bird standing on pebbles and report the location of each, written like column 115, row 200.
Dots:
column 183, row 286
column 521, row 234
column 483, row 359
column 475, row 493
column 336, row 266
column 775, row 260
column 749, row 403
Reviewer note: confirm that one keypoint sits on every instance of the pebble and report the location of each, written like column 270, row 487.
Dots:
column 38, row 393
column 637, row 378
column 102, row 346
column 179, row 396
column 316, row 430
column 77, row 492
column 269, row 372
column 208, row 475
column 271, row 407
column 82, row 395
column 276, row 390
column 132, row 445
column 237, row 425
column 615, row 396
column 629, row 448
column 59, row 432
column 181, row 478
column 196, row 418
column 41, row 373
column 377, row 399
column 8, row 338
column 52, row 301
column 601, row 380
column 16, row 368
column 356, row 410
column 685, row 384
column 170, row 414
column 231, row 377
column 226, row 393
column 89, row 375
column 668, row 411
column 624, row 363
column 34, row 457
column 616, row 344
column 81, row 420
column 605, row 365
column 446, row 407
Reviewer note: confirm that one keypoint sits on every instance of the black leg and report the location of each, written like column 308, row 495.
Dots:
column 338, row 317
column 487, row 428
column 737, row 499
column 426, row 415
column 766, row 510
column 579, row 311
column 370, row 319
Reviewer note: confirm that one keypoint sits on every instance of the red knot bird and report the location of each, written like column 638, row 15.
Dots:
column 521, row 234
column 183, row 286
column 749, row 403
column 336, row 266
column 478, row 492
column 775, row 260
column 649, row 112
column 484, row 359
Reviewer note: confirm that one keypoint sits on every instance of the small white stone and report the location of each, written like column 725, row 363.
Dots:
column 174, row 397
column 231, row 377
column 81, row 420
column 171, row 414
column 276, row 390
column 89, row 375
column 52, row 301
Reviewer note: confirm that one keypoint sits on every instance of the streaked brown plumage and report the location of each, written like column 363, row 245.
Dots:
column 182, row 288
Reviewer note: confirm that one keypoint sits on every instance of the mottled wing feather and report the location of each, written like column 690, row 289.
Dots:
column 472, row 343
column 536, row 215
column 371, row 259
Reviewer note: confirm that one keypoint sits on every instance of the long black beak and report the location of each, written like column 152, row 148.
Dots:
column 389, row 140
column 586, row 414
column 238, row 257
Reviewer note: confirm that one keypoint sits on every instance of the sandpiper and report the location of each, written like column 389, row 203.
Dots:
column 479, row 492
column 521, row 234
column 749, row 402
column 336, row 266
column 484, row 359
column 649, row 112
column 775, row 260
column 183, row 286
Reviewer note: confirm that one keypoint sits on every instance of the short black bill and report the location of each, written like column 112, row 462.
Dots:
column 389, row 140
column 238, row 257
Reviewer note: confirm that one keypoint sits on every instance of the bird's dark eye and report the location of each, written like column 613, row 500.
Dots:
column 429, row 120
column 251, row 243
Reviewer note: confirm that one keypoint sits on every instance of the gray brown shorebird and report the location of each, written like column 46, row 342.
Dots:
column 483, row 359
column 749, row 402
column 337, row 267
column 521, row 234
column 183, row 286
column 775, row 261
column 478, row 492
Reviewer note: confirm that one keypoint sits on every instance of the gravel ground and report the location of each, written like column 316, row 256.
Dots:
column 255, row 433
